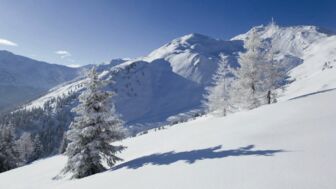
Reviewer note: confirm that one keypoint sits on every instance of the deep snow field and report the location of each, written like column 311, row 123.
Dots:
column 286, row 145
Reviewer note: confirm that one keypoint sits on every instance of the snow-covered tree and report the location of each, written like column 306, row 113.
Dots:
column 92, row 131
column 259, row 75
column 246, row 89
column 274, row 75
column 38, row 148
column 217, row 94
column 26, row 147
column 8, row 152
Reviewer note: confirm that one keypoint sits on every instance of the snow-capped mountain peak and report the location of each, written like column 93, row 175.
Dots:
column 195, row 56
column 308, row 51
column 291, row 40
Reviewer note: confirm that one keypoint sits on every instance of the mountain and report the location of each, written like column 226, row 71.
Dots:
column 309, row 53
column 195, row 56
column 148, row 92
column 284, row 145
column 167, row 82
column 167, row 85
column 106, row 66
column 23, row 79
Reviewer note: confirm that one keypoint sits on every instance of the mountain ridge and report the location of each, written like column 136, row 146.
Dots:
column 23, row 79
column 187, row 59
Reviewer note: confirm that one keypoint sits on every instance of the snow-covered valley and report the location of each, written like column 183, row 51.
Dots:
column 284, row 145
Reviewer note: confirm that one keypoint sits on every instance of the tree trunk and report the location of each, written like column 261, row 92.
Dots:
column 269, row 100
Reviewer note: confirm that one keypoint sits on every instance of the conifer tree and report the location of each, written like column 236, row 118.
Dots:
column 259, row 75
column 246, row 90
column 37, row 153
column 92, row 131
column 217, row 95
column 8, row 151
column 26, row 147
column 274, row 75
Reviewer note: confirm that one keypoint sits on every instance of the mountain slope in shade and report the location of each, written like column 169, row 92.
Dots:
column 281, row 146
column 151, row 92
column 22, row 78
column 148, row 92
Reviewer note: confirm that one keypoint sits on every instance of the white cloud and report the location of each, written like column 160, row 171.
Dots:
column 73, row 65
column 7, row 42
column 67, row 58
column 63, row 54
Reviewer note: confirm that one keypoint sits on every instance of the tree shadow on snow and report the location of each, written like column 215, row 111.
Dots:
column 314, row 93
column 193, row 156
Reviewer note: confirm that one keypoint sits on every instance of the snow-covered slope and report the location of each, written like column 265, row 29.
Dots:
column 281, row 146
column 288, row 40
column 148, row 92
column 23, row 79
column 307, row 52
column 318, row 71
column 152, row 93
column 196, row 56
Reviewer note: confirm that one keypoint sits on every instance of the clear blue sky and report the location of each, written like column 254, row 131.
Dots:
column 93, row 31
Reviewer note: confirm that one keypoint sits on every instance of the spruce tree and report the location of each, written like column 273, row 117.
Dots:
column 26, row 147
column 93, row 130
column 8, row 151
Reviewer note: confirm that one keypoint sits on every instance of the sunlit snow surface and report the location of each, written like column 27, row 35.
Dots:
column 280, row 146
